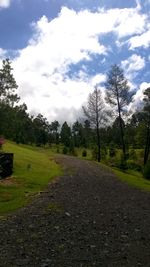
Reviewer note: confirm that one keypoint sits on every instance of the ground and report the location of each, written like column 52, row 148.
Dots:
column 85, row 218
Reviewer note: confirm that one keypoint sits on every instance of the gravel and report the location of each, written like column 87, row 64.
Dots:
column 85, row 218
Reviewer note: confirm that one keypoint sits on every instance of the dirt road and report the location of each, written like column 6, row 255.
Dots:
column 85, row 218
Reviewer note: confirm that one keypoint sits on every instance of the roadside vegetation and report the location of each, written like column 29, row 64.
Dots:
column 34, row 168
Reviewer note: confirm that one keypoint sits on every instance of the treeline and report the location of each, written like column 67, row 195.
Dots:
column 103, row 126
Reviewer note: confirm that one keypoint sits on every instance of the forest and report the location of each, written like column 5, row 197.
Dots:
column 107, row 132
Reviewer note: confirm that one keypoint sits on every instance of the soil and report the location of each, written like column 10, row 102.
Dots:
column 85, row 218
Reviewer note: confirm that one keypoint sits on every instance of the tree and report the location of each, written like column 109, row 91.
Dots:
column 8, row 84
column 87, row 134
column 96, row 114
column 78, row 135
column 40, row 126
column 54, row 130
column 118, row 95
column 146, row 111
column 65, row 134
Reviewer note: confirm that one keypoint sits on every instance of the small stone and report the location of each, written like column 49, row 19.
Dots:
column 57, row 227
column 67, row 214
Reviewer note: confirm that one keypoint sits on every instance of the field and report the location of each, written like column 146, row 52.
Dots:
column 34, row 168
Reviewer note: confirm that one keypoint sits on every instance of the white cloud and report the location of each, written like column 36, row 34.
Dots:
column 140, row 40
column 132, row 65
column 130, row 21
column 5, row 3
column 40, row 69
column 2, row 53
column 138, row 97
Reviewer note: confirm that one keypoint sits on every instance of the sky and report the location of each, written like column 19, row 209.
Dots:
column 61, row 49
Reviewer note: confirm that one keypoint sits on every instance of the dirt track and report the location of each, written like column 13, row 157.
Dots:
column 86, row 218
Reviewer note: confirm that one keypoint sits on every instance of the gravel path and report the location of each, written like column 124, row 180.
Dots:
column 85, row 218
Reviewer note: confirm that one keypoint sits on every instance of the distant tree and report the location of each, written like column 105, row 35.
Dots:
column 78, row 134
column 22, row 125
column 87, row 134
column 118, row 95
column 65, row 134
column 96, row 113
column 54, row 126
column 40, row 126
column 146, row 111
column 8, row 84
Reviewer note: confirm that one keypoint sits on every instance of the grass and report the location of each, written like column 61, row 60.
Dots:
column 133, row 178
column 33, row 170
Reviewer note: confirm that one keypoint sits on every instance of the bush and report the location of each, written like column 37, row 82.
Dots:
column 122, row 163
column 131, row 164
column 65, row 150
column 84, row 153
column 132, row 154
column 73, row 152
column 146, row 171
column 58, row 150
column 95, row 153
column 112, row 150
column 104, row 153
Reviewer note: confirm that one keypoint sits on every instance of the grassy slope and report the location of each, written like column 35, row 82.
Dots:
column 33, row 169
column 133, row 178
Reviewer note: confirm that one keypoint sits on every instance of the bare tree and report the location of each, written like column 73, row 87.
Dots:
column 95, row 112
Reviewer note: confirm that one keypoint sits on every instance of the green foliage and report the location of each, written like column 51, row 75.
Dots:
column 65, row 134
column 132, row 154
column 122, row 164
column 95, row 153
column 65, row 150
column 103, row 153
column 146, row 171
column 133, row 165
column 8, row 84
column 84, row 153
column 112, row 150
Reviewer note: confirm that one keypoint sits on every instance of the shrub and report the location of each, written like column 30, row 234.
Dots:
column 84, row 153
column 131, row 164
column 73, row 152
column 146, row 171
column 112, row 150
column 122, row 163
column 95, row 153
column 65, row 150
column 132, row 154
column 104, row 153
column 58, row 150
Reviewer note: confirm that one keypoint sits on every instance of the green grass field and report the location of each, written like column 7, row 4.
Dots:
column 34, row 168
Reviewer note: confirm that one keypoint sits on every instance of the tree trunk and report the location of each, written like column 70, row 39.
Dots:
column 121, row 127
column 147, row 146
column 98, row 145
column 97, row 129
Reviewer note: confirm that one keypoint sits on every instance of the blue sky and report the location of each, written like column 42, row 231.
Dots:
column 61, row 49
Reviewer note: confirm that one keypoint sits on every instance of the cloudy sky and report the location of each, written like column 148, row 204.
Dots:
column 60, row 49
